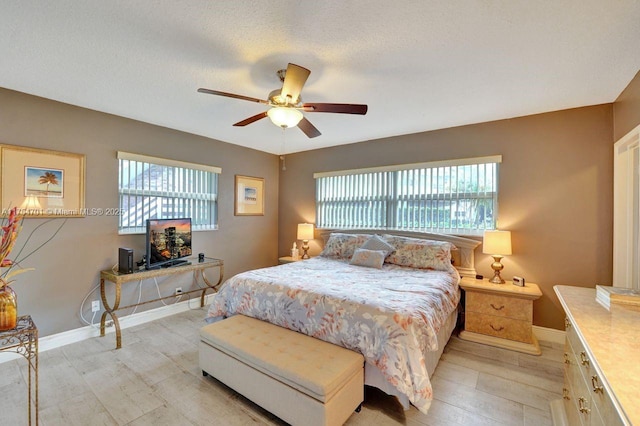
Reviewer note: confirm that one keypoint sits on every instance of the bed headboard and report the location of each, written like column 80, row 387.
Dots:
column 463, row 258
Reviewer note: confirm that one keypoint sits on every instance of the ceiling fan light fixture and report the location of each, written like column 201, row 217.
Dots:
column 284, row 116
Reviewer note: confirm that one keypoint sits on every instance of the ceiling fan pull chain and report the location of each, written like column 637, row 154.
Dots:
column 284, row 140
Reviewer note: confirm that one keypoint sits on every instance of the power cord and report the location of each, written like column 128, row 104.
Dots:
column 91, row 323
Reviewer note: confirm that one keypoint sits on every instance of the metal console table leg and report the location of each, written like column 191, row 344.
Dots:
column 23, row 340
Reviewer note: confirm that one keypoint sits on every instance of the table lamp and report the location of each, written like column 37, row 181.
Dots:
column 31, row 206
column 497, row 244
column 305, row 233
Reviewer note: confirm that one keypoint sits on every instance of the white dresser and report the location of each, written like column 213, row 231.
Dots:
column 602, row 361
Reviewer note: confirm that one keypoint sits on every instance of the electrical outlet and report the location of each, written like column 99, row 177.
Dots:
column 95, row 306
column 178, row 291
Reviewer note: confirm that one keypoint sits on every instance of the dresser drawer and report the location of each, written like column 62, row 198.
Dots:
column 503, row 306
column 498, row 326
column 588, row 391
column 570, row 403
column 599, row 399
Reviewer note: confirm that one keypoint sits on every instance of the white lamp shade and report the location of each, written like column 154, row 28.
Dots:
column 31, row 204
column 305, row 231
column 284, row 116
column 497, row 242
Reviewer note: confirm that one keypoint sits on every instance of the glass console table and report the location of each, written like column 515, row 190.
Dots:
column 23, row 340
column 118, row 279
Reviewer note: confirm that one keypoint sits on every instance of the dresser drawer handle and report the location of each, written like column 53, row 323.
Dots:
column 566, row 359
column 582, row 406
column 583, row 358
column 565, row 394
column 497, row 329
column 567, row 323
column 496, row 308
column 594, row 383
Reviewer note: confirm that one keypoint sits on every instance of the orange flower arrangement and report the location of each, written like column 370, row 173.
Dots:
column 9, row 236
column 10, row 268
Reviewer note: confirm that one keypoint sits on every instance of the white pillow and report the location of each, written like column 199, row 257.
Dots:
column 342, row 246
column 419, row 253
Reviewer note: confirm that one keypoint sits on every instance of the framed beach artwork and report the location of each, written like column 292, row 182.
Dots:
column 42, row 183
column 249, row 199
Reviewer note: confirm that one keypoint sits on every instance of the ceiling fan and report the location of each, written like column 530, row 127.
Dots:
column 286, row 103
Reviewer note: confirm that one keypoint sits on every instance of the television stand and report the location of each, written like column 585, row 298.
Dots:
column 118, row 279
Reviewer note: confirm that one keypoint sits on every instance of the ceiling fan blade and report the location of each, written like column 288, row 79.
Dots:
column 294, row 80
column 337, row 108
column 251, row 119
column 232, row 95
column 308, row 128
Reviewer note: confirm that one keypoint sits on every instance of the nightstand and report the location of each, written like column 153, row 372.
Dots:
column 500, row 314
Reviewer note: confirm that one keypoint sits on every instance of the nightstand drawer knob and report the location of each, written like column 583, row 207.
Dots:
column 497, row 329
column 497, row 308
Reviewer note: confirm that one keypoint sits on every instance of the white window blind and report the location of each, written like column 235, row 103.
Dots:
column 457, row 196
column 159, row 188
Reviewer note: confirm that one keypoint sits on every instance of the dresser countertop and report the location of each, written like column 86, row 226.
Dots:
column 613, row 339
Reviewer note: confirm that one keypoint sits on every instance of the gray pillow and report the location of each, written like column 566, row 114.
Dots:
column 368, row 258
column 377, row 243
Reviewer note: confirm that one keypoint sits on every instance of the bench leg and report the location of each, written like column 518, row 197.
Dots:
column 358, row 408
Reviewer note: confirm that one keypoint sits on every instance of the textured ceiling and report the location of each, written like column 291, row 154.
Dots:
column 419, row 65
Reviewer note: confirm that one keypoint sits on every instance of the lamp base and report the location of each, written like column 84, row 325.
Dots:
column 305, row 249
column 497, row 267
column 497, row 279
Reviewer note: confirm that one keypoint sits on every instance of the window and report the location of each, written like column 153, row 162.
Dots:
column 157, row 188
column 456, row 197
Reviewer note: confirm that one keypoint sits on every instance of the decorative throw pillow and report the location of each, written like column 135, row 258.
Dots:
column 368, row 258
column 418, row 253
column 342, row 246
column 377, row 243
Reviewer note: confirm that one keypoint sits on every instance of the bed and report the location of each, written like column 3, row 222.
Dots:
column 395, row 304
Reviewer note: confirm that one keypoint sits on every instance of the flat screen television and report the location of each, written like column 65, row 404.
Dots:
column 168, row 242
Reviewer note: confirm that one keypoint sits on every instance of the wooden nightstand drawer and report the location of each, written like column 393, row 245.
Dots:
column 498, row 326
column 502, row 306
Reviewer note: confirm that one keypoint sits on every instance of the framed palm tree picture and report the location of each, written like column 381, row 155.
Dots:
column 42, row 183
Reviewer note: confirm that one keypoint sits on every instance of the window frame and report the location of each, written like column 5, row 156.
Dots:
column 390, row 197
column 189, row 188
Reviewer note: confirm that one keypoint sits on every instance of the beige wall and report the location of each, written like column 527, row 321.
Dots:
column 555, row 191
column 69, row 266
column 626, row 109
column 555, row 195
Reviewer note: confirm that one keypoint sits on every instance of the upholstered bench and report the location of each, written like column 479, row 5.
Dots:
column 302, row 380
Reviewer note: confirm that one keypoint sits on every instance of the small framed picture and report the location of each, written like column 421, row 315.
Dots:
column 249, row 199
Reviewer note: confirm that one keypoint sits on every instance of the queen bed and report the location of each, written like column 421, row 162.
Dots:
column 393, row 298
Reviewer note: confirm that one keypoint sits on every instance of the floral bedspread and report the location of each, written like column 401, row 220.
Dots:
column 390, row 315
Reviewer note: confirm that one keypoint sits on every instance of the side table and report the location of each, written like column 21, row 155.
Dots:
column 23, row 340
column 500, row 315
column 288, row 259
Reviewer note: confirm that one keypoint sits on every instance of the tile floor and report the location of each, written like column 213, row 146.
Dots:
column 155, row 380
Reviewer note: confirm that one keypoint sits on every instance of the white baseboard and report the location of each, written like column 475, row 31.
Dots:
column 549, row 334
column 72, row 336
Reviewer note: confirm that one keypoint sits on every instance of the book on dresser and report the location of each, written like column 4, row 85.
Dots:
column 606, row 295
